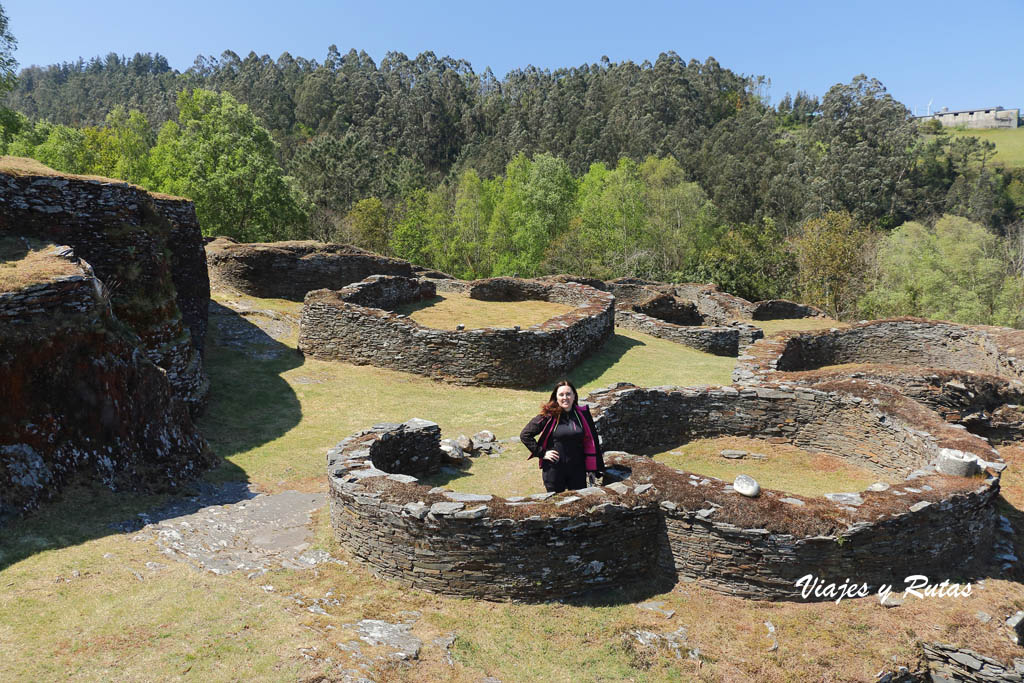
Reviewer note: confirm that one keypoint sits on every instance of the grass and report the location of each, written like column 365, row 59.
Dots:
column 510, row 474
column 1009, row 143
column 773, row 327
column 30, row 262
column 446, row 311
column 308, row 405
column 77, row 598
column 786, row 468
column 23, row 166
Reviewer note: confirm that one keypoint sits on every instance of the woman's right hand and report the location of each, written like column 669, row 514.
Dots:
column 551, row 456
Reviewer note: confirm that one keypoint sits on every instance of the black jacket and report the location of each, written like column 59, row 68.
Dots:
column 535, row 427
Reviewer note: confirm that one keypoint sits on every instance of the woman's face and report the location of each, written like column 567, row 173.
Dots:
column 565, row 397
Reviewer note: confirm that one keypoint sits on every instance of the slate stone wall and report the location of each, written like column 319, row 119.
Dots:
column 781, row 309
column 720, row 341
column 288, row 270
column 900, row 341
column 121, row 231
column 968, row 375
column 411, row 448
column 460, row 544
column 649, row 523
column 335, row 329
column 633, row 419
column 937, row 538
column 387, row 291
column 81, row 398
column 188, row 265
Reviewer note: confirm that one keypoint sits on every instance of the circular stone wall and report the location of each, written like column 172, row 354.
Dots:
column 355, row 325
column 659, row 520
column 969, row 375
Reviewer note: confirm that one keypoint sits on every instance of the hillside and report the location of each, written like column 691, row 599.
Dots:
column 1009, row 144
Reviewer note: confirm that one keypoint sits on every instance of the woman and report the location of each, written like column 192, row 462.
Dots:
column 568, row 449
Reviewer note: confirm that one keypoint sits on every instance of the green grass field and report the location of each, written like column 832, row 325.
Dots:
column 81, row 600
column 1009, row 143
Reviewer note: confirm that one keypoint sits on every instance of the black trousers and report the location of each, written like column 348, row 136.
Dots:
column 558, row 477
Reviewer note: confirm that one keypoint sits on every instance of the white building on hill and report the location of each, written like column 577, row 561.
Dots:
column 993, row 117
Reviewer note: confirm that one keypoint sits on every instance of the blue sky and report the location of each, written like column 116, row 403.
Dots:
column 939, row 51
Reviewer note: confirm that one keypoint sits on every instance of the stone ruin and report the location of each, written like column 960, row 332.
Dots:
column 100, row 348
column 699, row 316
column 657, row 523
column 289, row 270
column 357, row 324
column 972, row 376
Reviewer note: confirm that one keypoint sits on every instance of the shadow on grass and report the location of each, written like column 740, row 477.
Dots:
column 86, row 510
column 411, row 307
column 445, row 477
column 250, row 404
column 601, row 360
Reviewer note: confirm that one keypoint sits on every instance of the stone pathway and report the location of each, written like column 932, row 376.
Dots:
column 254, row 331
column 229, row 528
column 254, row 535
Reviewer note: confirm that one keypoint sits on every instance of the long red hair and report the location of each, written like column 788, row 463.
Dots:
column 551, row 407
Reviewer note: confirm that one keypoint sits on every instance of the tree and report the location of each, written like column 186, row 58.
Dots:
column 535, row 203
column 681, row 217
column 420, row 235
column 367, row 225
column 610, row 238
column 750, row 261
column 474, row 207
column 955, row 270
column 868, row 142
column 7, row 62
column 832, row 254
column 221, row 157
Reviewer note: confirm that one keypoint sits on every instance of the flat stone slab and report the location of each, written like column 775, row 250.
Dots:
column 657, row 606
column 467, row 497
column 853, row 499
column 445, row 508
column 397, row 637
column 263, row 532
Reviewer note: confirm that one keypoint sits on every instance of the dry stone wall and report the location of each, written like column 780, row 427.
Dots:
column 691, row 526
column 720, row 341
column 288, row 270
column 334, row 328
column 80, row 398
column 120, row 230
column 969, row 375
column 465, row 544
column 781, row 309
column 188, row 265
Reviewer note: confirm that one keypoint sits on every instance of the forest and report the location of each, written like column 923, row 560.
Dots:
column 671, row 170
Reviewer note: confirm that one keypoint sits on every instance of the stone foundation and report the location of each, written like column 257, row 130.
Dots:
column 288, row 270
column 720, row 341
column 135, row 242
column 334, row 327
column 661, row 520
column 969, row 375
column 80, row 398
